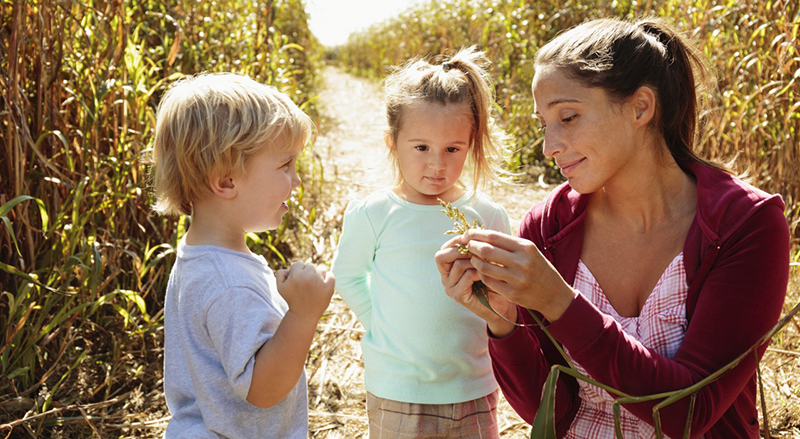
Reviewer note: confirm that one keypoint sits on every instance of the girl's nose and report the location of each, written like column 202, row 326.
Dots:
column 436, row 162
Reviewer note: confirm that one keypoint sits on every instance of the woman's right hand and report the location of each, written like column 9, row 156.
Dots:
column 458, row 275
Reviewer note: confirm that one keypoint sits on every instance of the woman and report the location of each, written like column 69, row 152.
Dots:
column 652, row 267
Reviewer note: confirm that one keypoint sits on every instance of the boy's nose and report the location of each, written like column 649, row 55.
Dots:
column 296, row 179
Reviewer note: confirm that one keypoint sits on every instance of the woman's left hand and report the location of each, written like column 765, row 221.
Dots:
column 514, row 268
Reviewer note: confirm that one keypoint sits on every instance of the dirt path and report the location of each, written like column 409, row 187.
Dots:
column 354, row 158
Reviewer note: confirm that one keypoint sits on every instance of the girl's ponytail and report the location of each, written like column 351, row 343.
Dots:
column 489, row 144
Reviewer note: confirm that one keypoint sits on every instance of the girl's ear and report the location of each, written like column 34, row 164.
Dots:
column 644, row 105
column 387, row 138
column 222, row 186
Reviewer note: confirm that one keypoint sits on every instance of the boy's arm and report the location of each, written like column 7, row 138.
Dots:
column 352, row 262
column 280, row 361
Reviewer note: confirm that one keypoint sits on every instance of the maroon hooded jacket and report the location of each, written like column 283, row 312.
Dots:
column 736, row 256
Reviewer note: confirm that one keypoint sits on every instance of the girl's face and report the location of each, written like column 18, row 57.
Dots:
column 591, row 138
column 432, row 146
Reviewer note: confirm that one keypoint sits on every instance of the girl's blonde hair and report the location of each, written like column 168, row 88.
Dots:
column 461, row 79
column 210, row 124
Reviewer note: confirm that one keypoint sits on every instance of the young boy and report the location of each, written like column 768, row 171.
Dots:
column 236, row 336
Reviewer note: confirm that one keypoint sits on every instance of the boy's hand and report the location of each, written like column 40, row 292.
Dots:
column 306, row 288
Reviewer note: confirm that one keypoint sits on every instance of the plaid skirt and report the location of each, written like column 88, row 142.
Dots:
column 476, row 419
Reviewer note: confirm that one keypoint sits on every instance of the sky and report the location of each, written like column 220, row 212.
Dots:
column 332, row 21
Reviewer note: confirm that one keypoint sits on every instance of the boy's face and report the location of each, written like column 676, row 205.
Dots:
column 268, row 181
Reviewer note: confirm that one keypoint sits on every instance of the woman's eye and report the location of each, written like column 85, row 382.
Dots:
column 570, row 118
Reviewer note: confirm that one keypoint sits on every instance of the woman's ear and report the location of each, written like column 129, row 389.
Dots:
column 222, row 185
column 644, row 105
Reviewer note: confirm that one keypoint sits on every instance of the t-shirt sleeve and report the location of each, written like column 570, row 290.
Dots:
column 499, row 220
column 352, row 263
column 239, row 322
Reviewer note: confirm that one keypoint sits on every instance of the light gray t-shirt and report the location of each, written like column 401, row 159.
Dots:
column 221, row 307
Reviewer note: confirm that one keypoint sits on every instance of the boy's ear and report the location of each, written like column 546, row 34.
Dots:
column 644, row 105
column 222, row 185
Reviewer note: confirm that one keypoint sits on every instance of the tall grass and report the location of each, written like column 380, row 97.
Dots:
column 752, row 111
column 83, row 261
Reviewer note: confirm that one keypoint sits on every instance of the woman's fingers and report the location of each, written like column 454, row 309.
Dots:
column 495, row 238
column 446, row 257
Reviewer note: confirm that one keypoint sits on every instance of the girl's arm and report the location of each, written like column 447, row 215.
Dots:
column 352, row 262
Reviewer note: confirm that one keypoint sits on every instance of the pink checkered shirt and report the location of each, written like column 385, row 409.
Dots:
column 660, row 326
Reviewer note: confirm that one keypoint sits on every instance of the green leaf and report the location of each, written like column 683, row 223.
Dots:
column 17, row 372
column 10, row 269
column 5, row 208
column 10, row 229
column 544, row 424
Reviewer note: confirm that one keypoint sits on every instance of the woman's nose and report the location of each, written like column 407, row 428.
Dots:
column 552, row 145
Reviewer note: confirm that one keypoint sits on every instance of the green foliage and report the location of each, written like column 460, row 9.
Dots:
column 84, row 261
column 753, row 108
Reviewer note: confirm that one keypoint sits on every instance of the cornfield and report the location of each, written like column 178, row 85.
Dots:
column 84, row 262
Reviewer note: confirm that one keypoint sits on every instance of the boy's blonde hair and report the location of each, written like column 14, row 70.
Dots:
column 210, row 124
column 460, row 80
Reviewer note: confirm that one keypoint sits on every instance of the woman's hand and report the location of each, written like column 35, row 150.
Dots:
column 515, row 269
column 458, row 275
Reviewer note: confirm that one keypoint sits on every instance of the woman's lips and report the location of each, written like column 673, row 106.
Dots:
column 569, row 168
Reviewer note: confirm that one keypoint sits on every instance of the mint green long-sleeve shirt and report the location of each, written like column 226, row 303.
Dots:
column 420, row 345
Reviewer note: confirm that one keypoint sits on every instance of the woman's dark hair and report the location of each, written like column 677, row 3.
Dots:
column 621, row 56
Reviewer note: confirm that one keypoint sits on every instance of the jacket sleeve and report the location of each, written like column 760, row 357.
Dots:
column 739, row 302
column 522, row 360
column 352, row 263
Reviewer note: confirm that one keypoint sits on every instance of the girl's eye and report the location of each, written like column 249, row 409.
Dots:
column 452, row 149
column 421, row 148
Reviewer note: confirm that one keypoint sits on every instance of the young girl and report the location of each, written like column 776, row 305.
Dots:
column 428, row 371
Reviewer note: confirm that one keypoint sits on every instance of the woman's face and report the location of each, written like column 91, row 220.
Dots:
column 590, row 137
